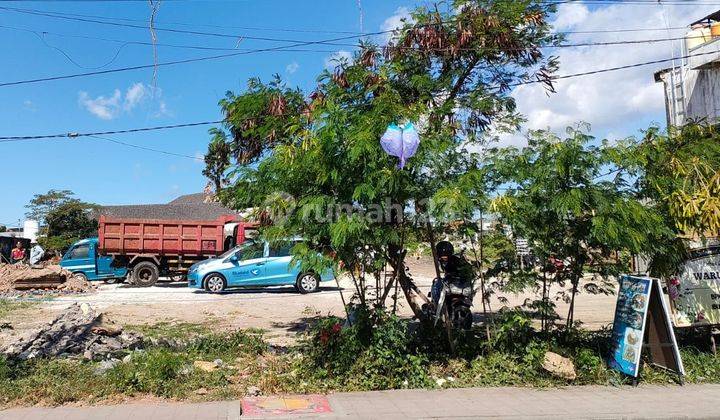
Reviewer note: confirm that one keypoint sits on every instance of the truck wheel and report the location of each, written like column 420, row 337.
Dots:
column 145, row 274
column 215, row 283
column 80, row 276
column 308, row 283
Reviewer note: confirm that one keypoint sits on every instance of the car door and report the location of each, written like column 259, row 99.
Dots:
column 278, row 269
column 103, row 263
column 247, row 266
column 80, row 259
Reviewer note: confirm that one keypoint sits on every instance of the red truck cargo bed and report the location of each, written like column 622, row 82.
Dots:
column 162, row 237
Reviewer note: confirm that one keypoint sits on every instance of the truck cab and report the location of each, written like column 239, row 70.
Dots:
column 83, row 260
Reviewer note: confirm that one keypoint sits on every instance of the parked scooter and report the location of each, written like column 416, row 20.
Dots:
column 458, row 298
column 455, row 290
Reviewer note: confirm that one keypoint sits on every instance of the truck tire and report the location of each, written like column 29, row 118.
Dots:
column 215, row 283
column 145, row 274
column 80, row 276
column 307, row 283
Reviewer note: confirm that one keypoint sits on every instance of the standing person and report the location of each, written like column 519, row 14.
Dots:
column 36, row 254
column 17, row 254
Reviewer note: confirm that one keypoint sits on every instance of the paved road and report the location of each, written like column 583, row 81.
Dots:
column 645, row 402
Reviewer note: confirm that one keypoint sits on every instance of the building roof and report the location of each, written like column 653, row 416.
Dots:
column 196, row 198
column 715, row 16
column 187, row 207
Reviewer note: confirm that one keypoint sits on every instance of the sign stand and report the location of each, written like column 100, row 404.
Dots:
column 642, row 322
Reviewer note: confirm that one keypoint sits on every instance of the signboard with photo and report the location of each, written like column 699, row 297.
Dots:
column 642, row 321
column 629, row 324
column 695, row 292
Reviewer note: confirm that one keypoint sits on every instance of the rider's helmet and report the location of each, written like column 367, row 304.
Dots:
column 444, row 249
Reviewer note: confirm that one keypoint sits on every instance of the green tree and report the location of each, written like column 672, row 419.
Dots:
column 3, row 228
column 67, row 224
column 217, row 159
column 679, row 176
column 42, row 204
column 315, row 164
column 573, row 200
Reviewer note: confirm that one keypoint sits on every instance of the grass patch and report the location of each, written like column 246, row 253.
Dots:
column 380, row 354
column 8, row 306
column 170, row 330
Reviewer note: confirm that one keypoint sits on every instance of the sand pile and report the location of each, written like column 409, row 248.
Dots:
column 51, row 277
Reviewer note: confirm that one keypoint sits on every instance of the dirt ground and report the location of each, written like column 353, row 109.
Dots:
column 281, row 311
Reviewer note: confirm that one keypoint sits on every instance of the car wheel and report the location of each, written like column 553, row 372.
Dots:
column 308, row 283
column 113, row 280
column 80, row 276
column 145, row 274
column 215, row 283
column 178, row 277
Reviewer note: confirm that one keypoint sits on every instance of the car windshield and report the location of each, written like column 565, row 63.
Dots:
column 237, row 248
column 246, row 251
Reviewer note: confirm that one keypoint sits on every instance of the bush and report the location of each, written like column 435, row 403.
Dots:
column 377, row 352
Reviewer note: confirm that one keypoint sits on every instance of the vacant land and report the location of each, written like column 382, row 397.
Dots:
column 281, row 311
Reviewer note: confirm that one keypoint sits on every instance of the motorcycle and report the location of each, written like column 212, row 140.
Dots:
column 458, row 298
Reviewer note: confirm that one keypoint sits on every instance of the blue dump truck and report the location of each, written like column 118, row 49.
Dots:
column 84, row 260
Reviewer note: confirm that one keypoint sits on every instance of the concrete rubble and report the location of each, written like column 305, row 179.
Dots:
column 80, row 331
column 559, row 366
column 51, row 277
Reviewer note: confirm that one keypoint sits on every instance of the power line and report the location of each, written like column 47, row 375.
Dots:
column 169, row 63
column 269, row 49
column 610, row 69
column 199, row 47
column 101, row 133
column 244, row 28
column 146, row 43
column 137, row 146
column 93, row 19
column 527, row 82
column 172, row 30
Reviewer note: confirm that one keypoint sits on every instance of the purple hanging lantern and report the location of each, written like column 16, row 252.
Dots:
column 400, row 142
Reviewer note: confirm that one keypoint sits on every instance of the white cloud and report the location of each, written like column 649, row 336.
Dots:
column 569, row 15
column 336, row 58
column 396, row 21
column 612, row 101
column 113, row 106
column 292, row 67
column 134, row 95
column 163, row 110
column 105, row 108
column 29, row 105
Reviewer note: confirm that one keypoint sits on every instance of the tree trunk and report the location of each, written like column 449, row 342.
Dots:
column 415, row 298
column 571, row 310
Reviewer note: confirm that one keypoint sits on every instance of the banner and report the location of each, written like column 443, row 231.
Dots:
column 695, row 292
column 629, row 324
column 642, row 321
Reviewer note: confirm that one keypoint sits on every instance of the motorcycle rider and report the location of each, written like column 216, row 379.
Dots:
column 457, row 269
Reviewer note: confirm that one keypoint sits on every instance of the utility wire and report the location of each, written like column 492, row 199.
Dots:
column 199, row 47
column 527, row 82
column 101, row 133
column 170, row 63
column 181, row 31
column 137, row 146
column 285, row 48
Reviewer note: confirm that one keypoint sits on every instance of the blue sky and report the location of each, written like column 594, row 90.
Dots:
column 108, row 173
